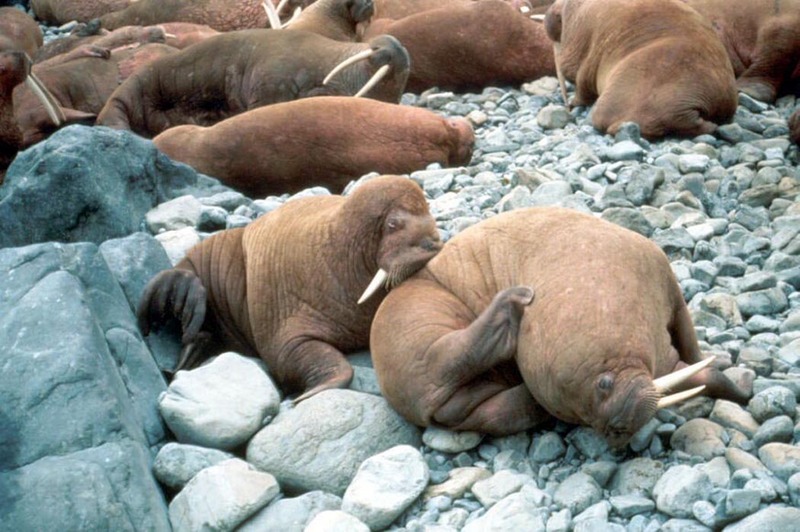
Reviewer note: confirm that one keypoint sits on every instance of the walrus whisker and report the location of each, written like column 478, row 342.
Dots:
column 52, row 107
column 667, row 382
column 360, row 56
column 670, row 400
column 374, row 80
column 377, row 282
column 272, row 15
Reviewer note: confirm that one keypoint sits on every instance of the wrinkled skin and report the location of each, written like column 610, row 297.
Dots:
column 222, row 15
column 81, row 86
column 285, row 287
column 494, row 45
column 334, row 19
column 110, row 40
column 397, row 9
column 637, row 61
column 183, row 34
column 589, row 312
column 58, row 12
column 18, row 31
column 231, row 73
column 14, row 68
column 762, row 39
column 322, row 141
column 794, row 127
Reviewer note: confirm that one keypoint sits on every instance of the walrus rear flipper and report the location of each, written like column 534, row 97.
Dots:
column 179, row 294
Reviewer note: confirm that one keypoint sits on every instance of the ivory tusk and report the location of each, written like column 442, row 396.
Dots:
column 561, row 83
column 537, row 18
column 377, row 282
column 50, row 104
column 670, row 400
column 360, row 56
column 280, row 6
column 272, row 15
column 170, row 35
column 667, row 382
column 376, row 77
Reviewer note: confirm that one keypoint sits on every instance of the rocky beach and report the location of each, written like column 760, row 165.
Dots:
column 95, row 438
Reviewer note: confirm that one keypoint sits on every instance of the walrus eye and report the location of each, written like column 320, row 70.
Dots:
column 606, row 382
column 393, row 224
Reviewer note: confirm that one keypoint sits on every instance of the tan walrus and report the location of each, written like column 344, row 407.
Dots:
column 589, row 312
column 233, row 72
column 286, row 287
column 654, row 62
column 326, row 141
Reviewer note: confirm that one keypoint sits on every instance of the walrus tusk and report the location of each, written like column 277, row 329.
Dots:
column 667, row 382
column 537, row 18
column 272, row 15
column 678, row 397
column 376, row 77
column 280, row 6
column 377, row 282
column 360, row 56
column 52, row 107
column 560, row 75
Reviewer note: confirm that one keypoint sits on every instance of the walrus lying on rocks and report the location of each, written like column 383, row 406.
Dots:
column 762, row 38
column 58, row 12
column 335, row 19
column 326, row 140
column 588, row 311
column 232, row 72
column 222, row 15
column 18, row 31
column 654, row 62
column 286, row 287
column 494, row 44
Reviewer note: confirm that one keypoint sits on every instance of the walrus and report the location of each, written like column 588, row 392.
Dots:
column 79, row 87
column 233, row 72
column 494, row 45
column 534, row 313
column 14, row 68
column 58, row 12
column 794, row 127
column 397, row 9
column 18, row 31
column 105, row 39
column 654, row 62
column 335, row 19
column 762, row 38
column 221, row 15
column 325, row 140
column 286, row 287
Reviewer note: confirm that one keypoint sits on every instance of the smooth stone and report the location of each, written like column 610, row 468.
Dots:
column 177, row 463
column 447, row 441
column 679, row 488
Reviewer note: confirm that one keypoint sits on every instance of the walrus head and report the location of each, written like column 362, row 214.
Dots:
column 408, row 236
column 626, row 400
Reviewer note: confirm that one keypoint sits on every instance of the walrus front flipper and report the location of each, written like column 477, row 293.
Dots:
column 179, row 294
column 311, row 366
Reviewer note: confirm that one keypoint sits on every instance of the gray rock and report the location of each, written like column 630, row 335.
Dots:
column 176, row 463
column 221, row 404
column 781, row 458
column 515, row 512
column 637, row 476
column 319, row 444
column 221, row 497
column 177, row 243
column 625, row 150
column 577, row 492
column 183, row 211
column 769, row 301
column 448, row 441
column 629, row 505
column 547, row 447
column 679, row 488
column 553, row 117
column 495, row 488
column 699, row 437
column 730, row 415
column 385, row 485
column 693, row 162
column 335, row 521
column 588, row 442
column 69, row 335
column 630, row 219
column 683, row 525
column 774, row 401
column 771, row 518
column 97, row 183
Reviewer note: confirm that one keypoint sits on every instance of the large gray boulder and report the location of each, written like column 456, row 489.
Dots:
column 89, row 184
column 79, row 387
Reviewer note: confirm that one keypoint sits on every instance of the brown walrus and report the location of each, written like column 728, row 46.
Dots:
column 285, row 287
column 794, row 127
column 654, row 62
column 470, row 45
column 233, row 72
column 18, row 31
column 57, row 12
column 606, row 318
column 81, row 88
column 222, row 15
column 335, row 19
column 326, row 140
column 762, row 38
column 14, row 68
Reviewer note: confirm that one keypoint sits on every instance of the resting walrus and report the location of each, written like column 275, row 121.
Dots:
column 590, row 312
column 325, row 140
column 654, row 62
column 232, row 72
column 285, row 288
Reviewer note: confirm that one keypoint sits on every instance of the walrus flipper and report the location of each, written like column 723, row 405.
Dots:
column 313, row 366
column 174, row 293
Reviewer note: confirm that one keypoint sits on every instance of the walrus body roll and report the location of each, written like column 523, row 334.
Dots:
column 286, row 287
column 654, row 62
column 589, row 312
column 322, row 141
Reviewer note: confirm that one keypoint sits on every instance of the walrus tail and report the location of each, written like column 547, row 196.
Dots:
column 176, row 293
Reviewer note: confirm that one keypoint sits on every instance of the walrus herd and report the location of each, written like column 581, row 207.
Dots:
column 532, row 314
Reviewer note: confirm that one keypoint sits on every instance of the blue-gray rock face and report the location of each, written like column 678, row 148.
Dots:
column 78, row 386
column 89, row 184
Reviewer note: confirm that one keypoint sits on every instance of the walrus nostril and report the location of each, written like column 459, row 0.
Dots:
column 431, row 245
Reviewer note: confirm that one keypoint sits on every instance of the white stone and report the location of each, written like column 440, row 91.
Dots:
column 177, row 243
column 335, row 521
column 183, row 211
column 448, row 441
